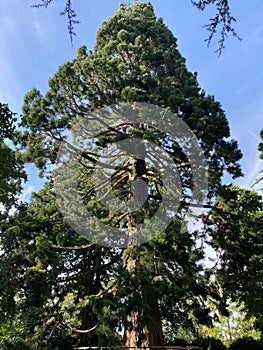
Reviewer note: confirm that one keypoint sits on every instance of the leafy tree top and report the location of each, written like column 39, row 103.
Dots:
column 135, row 58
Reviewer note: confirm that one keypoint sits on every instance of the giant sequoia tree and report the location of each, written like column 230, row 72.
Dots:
column 97, row 290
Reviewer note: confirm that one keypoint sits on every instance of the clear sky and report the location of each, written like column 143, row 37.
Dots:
column 33, row 43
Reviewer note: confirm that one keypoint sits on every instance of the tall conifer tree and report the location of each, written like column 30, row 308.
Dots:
column 135, row 59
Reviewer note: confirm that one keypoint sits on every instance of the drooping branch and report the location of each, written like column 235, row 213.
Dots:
column 43, row 3
column 84, row 330
column 222, row 18
column 83, row 247
column 258, row 180
column 68, row 11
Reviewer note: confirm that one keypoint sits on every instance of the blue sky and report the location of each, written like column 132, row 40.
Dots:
column 33, row 43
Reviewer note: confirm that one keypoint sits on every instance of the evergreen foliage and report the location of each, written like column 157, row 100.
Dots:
column 237, row 234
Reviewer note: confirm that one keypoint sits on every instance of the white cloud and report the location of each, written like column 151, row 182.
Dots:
column 26, row 193
column 255, row 37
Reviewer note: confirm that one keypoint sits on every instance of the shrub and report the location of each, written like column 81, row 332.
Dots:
column 216, row 344
column 247, row 343
column 178, row 342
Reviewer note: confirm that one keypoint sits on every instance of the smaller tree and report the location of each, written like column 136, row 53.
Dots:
column 229, row 328
column 11, row 170
column 49, row 278
column 236, row 227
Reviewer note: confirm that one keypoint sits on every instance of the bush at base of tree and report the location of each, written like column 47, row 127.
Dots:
column 247, row 343
column 178, row 342
column 13, row 345
column 215, row 344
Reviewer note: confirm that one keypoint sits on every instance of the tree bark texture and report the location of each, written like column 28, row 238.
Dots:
column 139, row 333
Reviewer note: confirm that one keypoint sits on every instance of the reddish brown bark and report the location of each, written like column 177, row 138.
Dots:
column 138, row 333
column 155, row 335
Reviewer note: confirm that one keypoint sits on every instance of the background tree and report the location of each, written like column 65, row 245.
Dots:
column 236, row 228
column 213, row 343
column 11, row 172
column 229, row 328
column 233, row 324
column 48, row 274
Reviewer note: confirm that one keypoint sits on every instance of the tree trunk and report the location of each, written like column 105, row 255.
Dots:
column 93, row 286
column 155, row 328
column 138, row 333
column 89, row 321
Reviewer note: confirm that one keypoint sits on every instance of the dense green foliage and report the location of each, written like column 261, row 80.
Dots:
column 237, row 235
column 229, row 328
column 49, row 280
